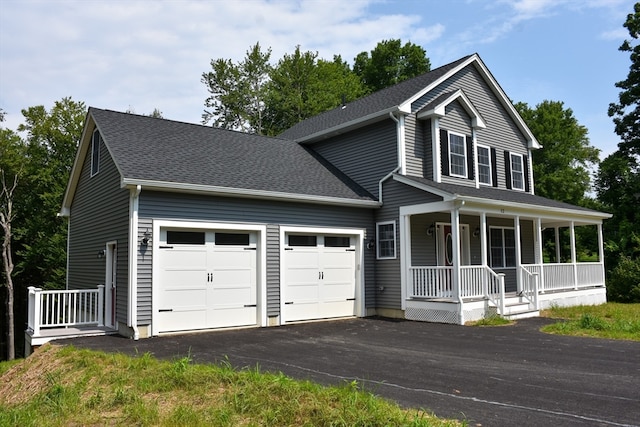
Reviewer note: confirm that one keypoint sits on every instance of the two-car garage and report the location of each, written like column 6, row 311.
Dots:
column 208, row 276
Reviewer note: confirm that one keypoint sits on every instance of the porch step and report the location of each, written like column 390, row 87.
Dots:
column 515, row 308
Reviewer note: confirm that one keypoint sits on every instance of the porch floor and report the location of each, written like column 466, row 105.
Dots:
column 51, row 334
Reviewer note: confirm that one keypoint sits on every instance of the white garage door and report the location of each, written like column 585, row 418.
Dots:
column 207, row 279
column 319, row 277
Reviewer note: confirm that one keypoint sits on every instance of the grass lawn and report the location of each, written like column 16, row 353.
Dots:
column 610, row 320
column 60, row 386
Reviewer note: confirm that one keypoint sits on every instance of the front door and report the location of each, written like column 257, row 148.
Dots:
column 110, row 285
column 445, row 245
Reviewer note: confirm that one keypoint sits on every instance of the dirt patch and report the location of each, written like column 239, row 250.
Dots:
column 30, row 377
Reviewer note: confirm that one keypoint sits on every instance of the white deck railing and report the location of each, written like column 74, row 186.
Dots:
column 530, row 286
column 431, row 282
column 562, row 276
column 63, row 308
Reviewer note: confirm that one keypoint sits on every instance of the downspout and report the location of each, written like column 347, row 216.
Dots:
column 399, row 167
column 133, row 261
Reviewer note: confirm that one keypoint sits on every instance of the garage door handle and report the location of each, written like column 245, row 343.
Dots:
column 164, row 310
column 251, row 305
column 290, row 302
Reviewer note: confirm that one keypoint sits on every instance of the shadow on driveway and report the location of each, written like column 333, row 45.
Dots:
column 491, row 376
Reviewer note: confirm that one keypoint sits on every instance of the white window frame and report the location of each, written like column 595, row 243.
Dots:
column 378, row 246
column 95, row 152
column 502, row 247
column 478, row 148
column 451, row 154
column 513, row 171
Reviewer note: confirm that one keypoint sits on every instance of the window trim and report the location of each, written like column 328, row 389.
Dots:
column 378, row 247
column 478, row 148
column 95, row 152
column 521, row 157
column 504, row 265
column 451, row 154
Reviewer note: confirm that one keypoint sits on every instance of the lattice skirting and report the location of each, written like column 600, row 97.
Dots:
column 432, row 315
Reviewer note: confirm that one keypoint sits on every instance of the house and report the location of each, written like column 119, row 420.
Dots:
column 415, row 202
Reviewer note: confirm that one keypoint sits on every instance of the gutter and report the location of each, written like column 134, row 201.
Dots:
column 133, row 261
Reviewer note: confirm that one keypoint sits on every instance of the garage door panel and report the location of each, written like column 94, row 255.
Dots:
column 303, row 292
column 338, row 291
column 206, row 286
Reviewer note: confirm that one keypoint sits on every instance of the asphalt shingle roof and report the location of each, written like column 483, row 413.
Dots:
column 371, row 104
column 147, row 148
column 491, row 193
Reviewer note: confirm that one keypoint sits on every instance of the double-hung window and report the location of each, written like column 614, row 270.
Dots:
column 503, row 247
column 484, row 165
column 457, row 155
column 517, row 172
column 386, row 235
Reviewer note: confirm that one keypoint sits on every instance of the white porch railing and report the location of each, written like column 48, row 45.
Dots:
column 431, row 282
column 63, row 308
column 530, row 287
column 562, row 276
column 476, row 281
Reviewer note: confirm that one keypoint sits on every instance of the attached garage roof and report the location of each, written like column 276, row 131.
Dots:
column 166, row 153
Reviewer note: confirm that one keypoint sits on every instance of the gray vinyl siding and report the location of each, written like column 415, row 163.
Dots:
column 190, row 207
column 99, row 214
column 145, row 272
column 500, row 132
column 365, row 155
column 273, row 269
column 394, row 196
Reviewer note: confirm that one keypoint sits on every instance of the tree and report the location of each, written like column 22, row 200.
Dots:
column 618, row 181
column 303, row 86
column 238, row 91
column 11, row 155
column 626, row 112
column 51, row 141
column 390, row 63
column 562, row 167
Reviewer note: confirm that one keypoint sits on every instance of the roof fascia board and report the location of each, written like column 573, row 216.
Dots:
column 381, row 115
column 245, row 193
column 504, row 99
column 439, row 110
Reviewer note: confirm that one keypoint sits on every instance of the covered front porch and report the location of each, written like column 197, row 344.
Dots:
column 463, row 260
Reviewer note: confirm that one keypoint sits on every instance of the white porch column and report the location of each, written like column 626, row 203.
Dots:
column 483, row 239
column 573, row 255
column 557, row 236
column 455, row 236
column 406, row 281
column 539, row 254
column 600, row 245
column 516, row 225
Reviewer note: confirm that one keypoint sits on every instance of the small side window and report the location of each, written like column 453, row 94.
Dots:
column 95, row 152
column 386, row 240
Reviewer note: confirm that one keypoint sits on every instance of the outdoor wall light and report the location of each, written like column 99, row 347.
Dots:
column 476, row 232
column 430, row 230
column 102, row 253
column 146, row 237
column 371, row 244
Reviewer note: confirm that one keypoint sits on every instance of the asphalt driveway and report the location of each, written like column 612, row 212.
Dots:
column 498, row 376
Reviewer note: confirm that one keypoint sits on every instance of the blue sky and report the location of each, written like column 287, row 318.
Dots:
column 141, row 55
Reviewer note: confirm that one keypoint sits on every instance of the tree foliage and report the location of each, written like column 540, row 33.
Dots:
column 254, row 96
column 618, row 181
column 626, row 112
column 561, row 168
column 390, row 63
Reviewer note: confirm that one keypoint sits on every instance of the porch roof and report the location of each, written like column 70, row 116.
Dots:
column 490, row 195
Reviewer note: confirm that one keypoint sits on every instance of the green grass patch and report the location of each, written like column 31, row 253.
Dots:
column 610, row 320
column 494, row 320
column 59, row 386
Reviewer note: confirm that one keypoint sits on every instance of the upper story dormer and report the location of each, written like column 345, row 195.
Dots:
column 453, row 125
